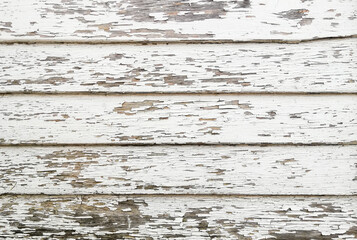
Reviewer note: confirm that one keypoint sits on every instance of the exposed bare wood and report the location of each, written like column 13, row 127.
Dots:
column 185, row 217
column 178, row 119
column 172, row 20
column 326, row 66
column 172, row 139
column 315, row 170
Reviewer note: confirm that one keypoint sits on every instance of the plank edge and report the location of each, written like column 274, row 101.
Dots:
column 174, row 41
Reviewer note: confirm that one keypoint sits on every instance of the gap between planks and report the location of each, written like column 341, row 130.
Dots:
column 157, row 42
column 195, row 93
column 183, row 195
column 118, row 144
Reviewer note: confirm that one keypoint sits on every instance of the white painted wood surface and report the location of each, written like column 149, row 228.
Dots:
column 211, row 108
column 322, row 66
column 172, row 20
column 282, row 170
column 66, row 119
column 178, row 217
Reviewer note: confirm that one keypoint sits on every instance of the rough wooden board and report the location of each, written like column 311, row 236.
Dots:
column 123, row 119
column 312, row 170
column 323, row 66
column 178, row 217
column 173, row 20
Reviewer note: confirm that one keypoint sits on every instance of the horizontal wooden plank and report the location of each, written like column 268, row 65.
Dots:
column 123, row 119
column 324, row 66
column 154, row 217
column 282, row 170
column 172, row 20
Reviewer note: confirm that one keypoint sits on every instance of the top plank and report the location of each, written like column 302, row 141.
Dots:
column 173, row 20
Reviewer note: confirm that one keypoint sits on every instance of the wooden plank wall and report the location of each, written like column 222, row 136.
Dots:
column 199, row 119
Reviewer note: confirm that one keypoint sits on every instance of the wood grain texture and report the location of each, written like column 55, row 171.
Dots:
column 324, row 66
column 282, row 170
column 172, row 20
column 178, row 217
column 92, row 146
column 182, row 119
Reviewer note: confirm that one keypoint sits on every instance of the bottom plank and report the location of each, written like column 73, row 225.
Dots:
column 178, row 217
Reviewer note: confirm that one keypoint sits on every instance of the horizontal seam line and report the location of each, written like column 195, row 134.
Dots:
column 181, row 195
column 192, row 41
column 159, row 93
column 353, row 143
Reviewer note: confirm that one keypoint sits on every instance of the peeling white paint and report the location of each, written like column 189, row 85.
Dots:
column 176, row 20
column 192, row 95
column 283, row 170
column 323, row 66
column 81, row 119
column 179, row 217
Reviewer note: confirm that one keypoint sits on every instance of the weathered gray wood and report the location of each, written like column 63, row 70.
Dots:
column 208, row 174
column 172, row 20
column 178, row 119
column 323, row 66
column 178, row 217
column 312, row 170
